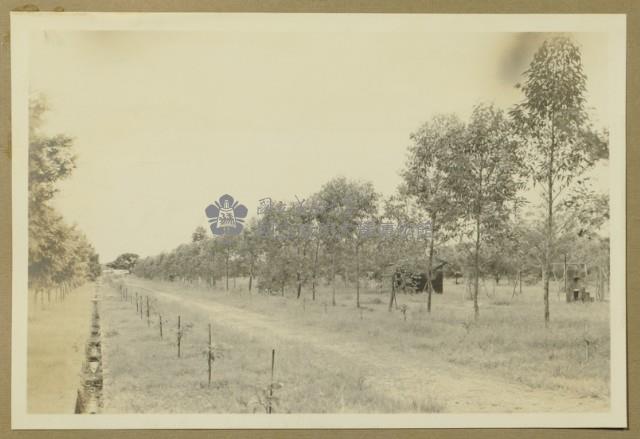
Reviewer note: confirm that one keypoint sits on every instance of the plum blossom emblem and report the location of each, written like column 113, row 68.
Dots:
column 226, row 216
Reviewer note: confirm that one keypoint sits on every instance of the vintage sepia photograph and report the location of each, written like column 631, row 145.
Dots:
column 318, row 220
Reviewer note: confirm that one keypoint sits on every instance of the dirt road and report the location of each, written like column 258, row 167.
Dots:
column 398, row 375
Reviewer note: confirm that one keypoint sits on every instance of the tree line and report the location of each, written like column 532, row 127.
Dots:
column 460, row 200
column 60, row 256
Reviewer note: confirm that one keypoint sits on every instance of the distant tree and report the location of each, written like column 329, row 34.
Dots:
column 456, row 259
column 209, row 257
column 316, row 238
column 228, row 245
column 552, row 120
column 498, row 258
column 274, row 234
column 583, row 211
column 401, row 250
column 297, row 233
column 249, row 251
column 597, row 143
column 200, row 234
column 343, row 206
column 125, row 261
column 94, row 266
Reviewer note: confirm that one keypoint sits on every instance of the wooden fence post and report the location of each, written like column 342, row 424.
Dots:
column 209, row 355
column 273, row 359
column 179, row 336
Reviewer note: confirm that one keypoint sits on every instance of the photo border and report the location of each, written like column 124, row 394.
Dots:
column 410, row 6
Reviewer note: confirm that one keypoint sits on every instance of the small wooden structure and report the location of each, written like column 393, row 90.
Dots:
column 408, row 281
column 413, row 282
column 577, row 292
column 574, row 278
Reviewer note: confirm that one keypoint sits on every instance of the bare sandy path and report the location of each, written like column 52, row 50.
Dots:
column 398, row 375
column 57, row 337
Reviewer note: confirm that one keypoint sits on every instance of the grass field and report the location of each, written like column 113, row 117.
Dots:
column 143, row 373
column 341, row 359
column 57, row 333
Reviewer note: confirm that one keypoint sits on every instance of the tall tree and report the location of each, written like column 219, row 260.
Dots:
column 484, row 181
column 59, row 255
column 425, row 178
column 552, row 120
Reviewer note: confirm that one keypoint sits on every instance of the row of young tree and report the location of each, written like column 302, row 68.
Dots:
column 461, row 195
column 60, row 256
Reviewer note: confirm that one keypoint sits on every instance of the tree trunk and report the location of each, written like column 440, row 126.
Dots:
column 209, row 356
column 333, row 280
column 392, row 299
column 179, row 336
column 212, row 279
column 564, row 273
column 430, row 271
column 520, row 280
column 549, row 246
column 226, row 268
column 357, row 275
column 250, row 276
column 476, row 263
column 546, row 295
column 315, row 271
column 547, row 256
column 298, row 276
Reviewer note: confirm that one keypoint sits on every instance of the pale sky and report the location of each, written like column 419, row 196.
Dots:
column 166, row 122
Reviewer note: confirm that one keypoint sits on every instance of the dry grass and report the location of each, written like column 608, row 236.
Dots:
column 509, row 342
column 144, row 375
column 509, row 339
